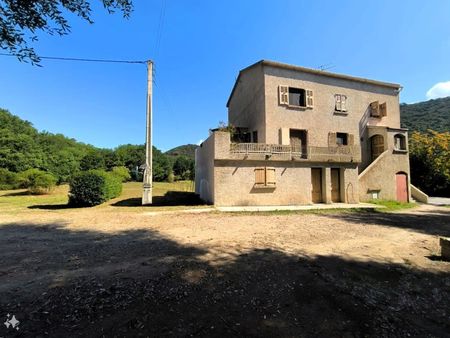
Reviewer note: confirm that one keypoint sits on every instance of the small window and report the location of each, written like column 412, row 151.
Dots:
column 399, row 142
column 341, row 139
column 255, row 136
column 340, row 103
column 297, row 97
column 265, row 177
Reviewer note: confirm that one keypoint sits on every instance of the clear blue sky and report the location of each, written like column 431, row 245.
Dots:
column 203, row 46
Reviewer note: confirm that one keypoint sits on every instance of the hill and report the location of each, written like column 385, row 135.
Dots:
column 432, row 114
column 187, row 150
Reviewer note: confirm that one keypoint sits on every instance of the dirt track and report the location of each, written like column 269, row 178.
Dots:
column 102, row 272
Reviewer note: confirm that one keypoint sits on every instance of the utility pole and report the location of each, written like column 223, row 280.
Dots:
column 148, row 172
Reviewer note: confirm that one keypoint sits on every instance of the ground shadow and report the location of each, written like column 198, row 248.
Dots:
column 171, row 198
column 53, row 206
column 434, row 222
column 19, row 193
column 60, row 282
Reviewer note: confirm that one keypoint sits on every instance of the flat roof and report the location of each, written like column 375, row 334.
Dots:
column 313, row 71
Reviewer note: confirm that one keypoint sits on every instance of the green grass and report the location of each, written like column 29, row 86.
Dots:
column 166, row 196
column 392, row 205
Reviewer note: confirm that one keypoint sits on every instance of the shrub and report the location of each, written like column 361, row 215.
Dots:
column 36, row 181
column 8, row 179
column 122, row 173
column 93, row 187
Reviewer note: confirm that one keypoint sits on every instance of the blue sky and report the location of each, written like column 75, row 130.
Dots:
column 203, row 45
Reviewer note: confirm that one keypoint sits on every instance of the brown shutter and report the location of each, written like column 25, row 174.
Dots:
column 270, row 177
column 332, row 139
column 283, row 94
column 383, row 109
column 309, row 98
column 375, row 109
column 350, row 139
column 338, row 102
column 260, row 178
column 343, row 103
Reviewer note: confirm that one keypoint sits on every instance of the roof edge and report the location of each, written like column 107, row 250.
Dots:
column 315, row 72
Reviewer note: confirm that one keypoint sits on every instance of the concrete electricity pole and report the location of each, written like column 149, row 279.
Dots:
column 148, row 172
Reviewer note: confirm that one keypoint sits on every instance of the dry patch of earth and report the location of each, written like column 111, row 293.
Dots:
column 106, row 272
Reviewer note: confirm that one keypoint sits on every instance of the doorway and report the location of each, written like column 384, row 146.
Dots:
column 316, row 180
column 335, row 185
column 377, row 146
column 402, row 187
column 298, row 140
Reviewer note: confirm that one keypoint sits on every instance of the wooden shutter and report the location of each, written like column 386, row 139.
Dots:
column 332, row 141
column 309, row 98
column 283, row 94
column 350, row 139
column 260, row 177
column 338, row 102
column 343, row 103
column 383, row 109
column 270, row 177
column 375, row 109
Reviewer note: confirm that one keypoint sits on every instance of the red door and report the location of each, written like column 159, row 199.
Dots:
column 402, row 187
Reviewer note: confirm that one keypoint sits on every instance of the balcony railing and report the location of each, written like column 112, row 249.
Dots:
column 287, row 152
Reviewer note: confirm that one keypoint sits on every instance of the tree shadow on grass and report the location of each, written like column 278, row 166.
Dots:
column 139, row 282
column 171, row 198
column 53, row 206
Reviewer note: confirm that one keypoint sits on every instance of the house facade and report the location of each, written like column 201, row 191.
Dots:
column 303, row 136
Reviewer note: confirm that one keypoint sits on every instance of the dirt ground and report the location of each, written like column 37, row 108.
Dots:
column 103, row 272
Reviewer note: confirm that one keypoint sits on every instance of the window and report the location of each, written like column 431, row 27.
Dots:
column 340, row 102
column 399, row 142
column 255, row 136
column 377, row 109
column 296, row 97
column 341, row 139
column 265, row 177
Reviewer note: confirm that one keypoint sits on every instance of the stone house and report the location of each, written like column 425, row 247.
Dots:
column 305, row 136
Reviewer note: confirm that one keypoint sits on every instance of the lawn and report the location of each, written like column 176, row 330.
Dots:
column 166, row 196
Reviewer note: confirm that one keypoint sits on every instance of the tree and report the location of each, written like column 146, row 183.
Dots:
column 21, row 20
column 430, row 162
column 183, row 168
column 36, row 181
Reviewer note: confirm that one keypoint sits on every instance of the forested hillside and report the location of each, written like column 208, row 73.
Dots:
column 421, row 116
column 187, row 150
column 22, row 147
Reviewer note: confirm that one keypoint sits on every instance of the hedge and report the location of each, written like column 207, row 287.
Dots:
column 8, row 179
column 93, row 187
column 36, row 181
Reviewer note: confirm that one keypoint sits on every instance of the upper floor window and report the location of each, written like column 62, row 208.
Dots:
column 399, row 142
column 296, row 97
column 341, row 139
column 377, row 109
column 340, row 102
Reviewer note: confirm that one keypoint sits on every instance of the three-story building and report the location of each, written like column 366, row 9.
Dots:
column 301, row 136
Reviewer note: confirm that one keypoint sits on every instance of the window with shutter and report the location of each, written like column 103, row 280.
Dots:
column 260, row 177
column 338, row 105
column 283, row 93
column 343, row 103
column 351, row 139
column 265, row 177
column 309, row 98
column 375, row 109
column 270, row 177
column 383, row 109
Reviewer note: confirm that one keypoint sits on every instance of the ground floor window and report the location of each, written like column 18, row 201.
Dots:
column 265, row 177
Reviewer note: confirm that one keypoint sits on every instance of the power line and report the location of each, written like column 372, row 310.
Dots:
column 160, row 27
column 84, row 60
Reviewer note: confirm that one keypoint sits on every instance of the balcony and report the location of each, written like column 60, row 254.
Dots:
column 278, row 152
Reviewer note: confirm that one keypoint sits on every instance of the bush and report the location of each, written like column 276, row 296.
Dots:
column 36, row 181
column 93, row 187
column 122, row 173
column 8, row 179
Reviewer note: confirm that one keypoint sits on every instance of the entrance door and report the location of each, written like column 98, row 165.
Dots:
column 297, row 140
column 335, row 185
column 316, row 180
column 402, row 187
column 377, row 146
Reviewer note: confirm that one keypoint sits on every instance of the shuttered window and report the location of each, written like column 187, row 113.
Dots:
column 295, row 97
column 265, row 177
column 383, row 109
column 340, row 103
column 375, row 109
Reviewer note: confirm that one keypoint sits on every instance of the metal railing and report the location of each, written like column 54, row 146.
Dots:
column 336, row 153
